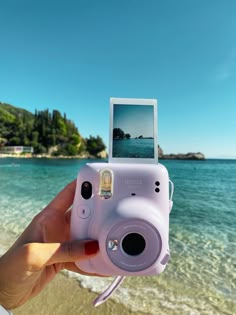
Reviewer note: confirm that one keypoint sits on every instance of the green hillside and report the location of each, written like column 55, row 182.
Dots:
column 48, row 132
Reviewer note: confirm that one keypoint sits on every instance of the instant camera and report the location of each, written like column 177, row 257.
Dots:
column 125, row 203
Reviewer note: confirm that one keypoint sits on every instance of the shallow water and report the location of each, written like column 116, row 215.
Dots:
column 201, row 275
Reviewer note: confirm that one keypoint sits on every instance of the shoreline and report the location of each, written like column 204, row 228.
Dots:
column 89, row 157
column 65, row 296
column 46, row 156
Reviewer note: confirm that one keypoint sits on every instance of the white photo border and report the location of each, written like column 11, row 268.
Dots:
column 133, row 101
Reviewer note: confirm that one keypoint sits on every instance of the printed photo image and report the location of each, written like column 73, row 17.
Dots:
column 133, row 131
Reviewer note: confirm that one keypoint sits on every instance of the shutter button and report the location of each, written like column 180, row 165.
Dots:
column 84, row 211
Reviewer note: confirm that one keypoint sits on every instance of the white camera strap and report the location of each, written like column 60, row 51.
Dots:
column 172, row 187
column 109, row 291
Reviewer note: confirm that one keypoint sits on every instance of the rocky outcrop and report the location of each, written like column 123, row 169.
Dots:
column 160, row 152
column 102, row 155
column 180, row 156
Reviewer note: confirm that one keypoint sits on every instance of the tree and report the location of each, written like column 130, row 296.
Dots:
column 118, row 133
column 95, row 145
column 3, row 141
column 44, row 130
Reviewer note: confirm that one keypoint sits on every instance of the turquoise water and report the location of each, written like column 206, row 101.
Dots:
column 133, row 148
column 201, row 276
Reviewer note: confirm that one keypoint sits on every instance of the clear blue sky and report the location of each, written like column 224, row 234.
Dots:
column 74, row 55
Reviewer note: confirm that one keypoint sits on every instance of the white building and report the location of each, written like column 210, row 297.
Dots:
column 16, row 149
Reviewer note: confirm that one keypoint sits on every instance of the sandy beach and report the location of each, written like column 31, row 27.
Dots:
column 64, row 296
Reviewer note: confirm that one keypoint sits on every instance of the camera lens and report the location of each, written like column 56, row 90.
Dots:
column 86, row 190
column 133, row 244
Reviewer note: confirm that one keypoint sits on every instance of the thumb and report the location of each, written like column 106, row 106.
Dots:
column 44, row 254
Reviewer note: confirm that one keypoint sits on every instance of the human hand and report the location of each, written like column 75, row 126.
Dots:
column 43, row 249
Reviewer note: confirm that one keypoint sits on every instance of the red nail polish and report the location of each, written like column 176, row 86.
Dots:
column 91, row 247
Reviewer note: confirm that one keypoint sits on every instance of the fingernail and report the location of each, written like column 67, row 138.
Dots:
column 91, row 247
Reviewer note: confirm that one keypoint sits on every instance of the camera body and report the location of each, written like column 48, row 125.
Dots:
column 126, row 208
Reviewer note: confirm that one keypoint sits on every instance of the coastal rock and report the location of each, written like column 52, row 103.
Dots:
column 102, row 155
column 160, row 152
column 181, row 156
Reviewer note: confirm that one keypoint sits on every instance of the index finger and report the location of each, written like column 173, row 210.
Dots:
column 63, row 201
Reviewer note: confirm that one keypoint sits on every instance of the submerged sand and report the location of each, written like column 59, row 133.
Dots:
column 64, row 296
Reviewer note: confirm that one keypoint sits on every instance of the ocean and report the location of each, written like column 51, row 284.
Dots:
column 200, row 278
column 133, row 148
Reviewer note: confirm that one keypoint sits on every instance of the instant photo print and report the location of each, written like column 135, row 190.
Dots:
column 133, row 131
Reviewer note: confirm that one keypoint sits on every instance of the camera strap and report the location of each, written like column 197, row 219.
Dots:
column 109, row 291
column 172, row 187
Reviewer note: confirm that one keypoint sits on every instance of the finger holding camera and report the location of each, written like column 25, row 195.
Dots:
column 43, row 249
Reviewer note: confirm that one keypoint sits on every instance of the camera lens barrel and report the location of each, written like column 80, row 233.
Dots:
column 133, row 245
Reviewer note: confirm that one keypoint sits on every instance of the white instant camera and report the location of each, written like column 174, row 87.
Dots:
column 126, row 208
column 125, row 204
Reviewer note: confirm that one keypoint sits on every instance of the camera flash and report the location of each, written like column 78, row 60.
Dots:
column 106, row 184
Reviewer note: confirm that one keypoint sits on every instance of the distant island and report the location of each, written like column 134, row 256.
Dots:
column 48, row 134
column 180, row 156
column 119, row 134
column 141, row 137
